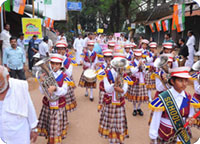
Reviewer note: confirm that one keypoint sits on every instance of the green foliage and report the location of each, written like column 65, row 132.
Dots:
column 112, row 13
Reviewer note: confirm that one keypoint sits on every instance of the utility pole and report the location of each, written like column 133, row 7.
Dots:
column 33, row 8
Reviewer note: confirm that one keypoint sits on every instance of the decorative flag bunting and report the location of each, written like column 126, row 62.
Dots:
column 48, row 22
column 165, row 25
column 152, row 27
column 179, row 17
column 158, row 26
column 19, row 6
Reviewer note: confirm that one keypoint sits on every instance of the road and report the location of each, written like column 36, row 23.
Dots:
column 83, row 123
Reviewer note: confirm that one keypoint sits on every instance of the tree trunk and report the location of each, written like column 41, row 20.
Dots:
column 117, row 17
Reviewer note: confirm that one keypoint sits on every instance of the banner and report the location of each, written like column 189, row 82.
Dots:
column 19, row 6
column 32, row 26
column 165, row 25
column 152, row 27
column 158, row 26
column 100, row 30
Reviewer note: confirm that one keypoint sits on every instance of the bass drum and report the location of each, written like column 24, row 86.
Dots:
column 90, row 75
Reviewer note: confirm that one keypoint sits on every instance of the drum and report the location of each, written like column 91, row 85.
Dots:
column 90, row 75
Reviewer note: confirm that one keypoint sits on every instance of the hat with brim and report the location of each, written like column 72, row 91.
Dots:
column 57, row 58
column 145, row 41
column 61, row 44
column 153, row 45
column 181, row 72
column 108, row 52
column 91, row 43
column 168, row 45
column 138, row 52
column 111, row 43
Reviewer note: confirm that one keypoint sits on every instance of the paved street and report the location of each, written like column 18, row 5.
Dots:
column 83, row 123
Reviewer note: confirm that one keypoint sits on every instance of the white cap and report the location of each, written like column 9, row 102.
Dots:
column 137, row 52
column 153, row 45
column 108, row 52
column 111, row 43
column 181, row 72
column 91, row 42
column 145, row 41
column 56, row 58
column 168, row 45
column 61, row 43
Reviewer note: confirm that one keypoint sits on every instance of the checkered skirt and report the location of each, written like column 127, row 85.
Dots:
column 137, row 93
column 84, row 83
column 71, row 99
column 150, row 83
column 53, row 124
column 113, row 123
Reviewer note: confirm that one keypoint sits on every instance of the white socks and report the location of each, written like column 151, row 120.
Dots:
column 149, row 94
column 91, row 93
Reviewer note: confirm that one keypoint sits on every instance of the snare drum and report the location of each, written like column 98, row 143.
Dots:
column 90, row 75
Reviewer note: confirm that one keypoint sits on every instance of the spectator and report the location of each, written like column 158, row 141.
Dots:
column 43, row 48
column 62, row 37
column 190, row 44
column 18, row 118
column 168, row 38
column 14, row 59
column 183, row 53
column 5, row 37
column 20, row 41
column 78, row 47
column 32, row 50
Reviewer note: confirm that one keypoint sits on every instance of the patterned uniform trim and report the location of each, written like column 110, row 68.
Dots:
column 195, row 103
column 57, row 139
column 99, row 55
column 69, row 82
column 113, row 135
column 156, row 105
column 71, row 106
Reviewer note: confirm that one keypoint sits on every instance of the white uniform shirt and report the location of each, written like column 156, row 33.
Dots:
column 5, row 36
column 87, row 64
column 196, row 87
column 43, row 48
column 15, row 129
column 156, row 119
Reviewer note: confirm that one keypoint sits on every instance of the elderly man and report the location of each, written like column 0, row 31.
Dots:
column 17, row 114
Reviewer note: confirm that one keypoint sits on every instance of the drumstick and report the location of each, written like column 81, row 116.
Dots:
column 195, row 116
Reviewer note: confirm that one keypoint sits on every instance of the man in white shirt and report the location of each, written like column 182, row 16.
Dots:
column 18, row 118
column 78, row 47
column 190, row 44
column 5, row 37
column 86, row 39
column 20, row 41
column 43, row 48
column 61, row 37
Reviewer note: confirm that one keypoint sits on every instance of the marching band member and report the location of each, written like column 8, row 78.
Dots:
column 137, row 93
column 133, row 46
column 196, row 77
column 127, row 52
column 53, row 119
column 167, row 48
column 113, row 121
column 172, row 109
column 68, row 68
column 161, row 75
column 108, row 56
column 90, row 60
column 144, row 45
column 149, row 79
column 111, row 45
